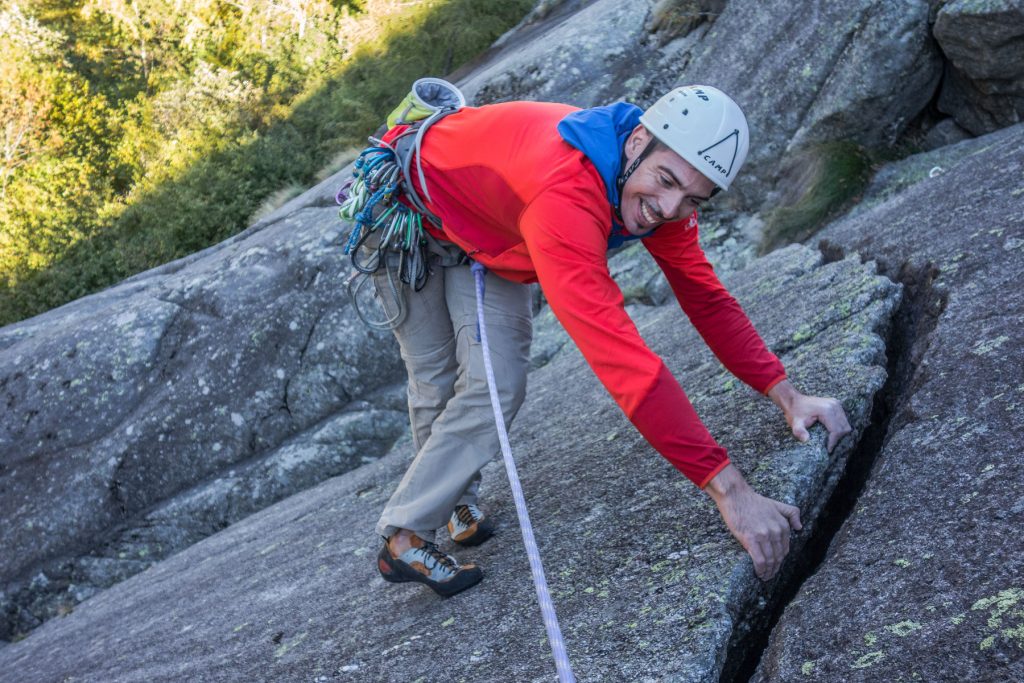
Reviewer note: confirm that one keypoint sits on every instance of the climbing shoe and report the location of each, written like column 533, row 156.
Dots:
column 425, row 563
column 469, row 526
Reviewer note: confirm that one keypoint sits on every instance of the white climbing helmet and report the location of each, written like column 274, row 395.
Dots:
column 705, row 127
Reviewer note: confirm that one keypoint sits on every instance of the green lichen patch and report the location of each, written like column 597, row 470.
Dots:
column 283, row 648
column 1000, row 604
column 802, row 334
column 986, row 346
column 903, row 628
column 1015, row 634
column 870, row 659
column 1003, row 607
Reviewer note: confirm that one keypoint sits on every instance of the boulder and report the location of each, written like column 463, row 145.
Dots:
column 984, row 43
column 810, row 72
column 924, row 581
column 239, row 369
column 945, row 132
column 647, row 581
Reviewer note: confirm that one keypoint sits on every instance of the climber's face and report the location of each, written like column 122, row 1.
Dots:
column 663, row 188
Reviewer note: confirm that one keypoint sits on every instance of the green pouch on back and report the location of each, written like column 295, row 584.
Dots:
column 428, row 95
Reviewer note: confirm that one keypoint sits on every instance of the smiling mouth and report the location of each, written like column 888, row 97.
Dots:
column 646, row 214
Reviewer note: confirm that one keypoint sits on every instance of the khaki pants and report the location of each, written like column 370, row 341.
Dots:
column 449, row 405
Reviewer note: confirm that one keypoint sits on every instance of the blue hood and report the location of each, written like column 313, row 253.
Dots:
column 600, row 133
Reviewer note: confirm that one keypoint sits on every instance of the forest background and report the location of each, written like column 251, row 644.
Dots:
column 135, row 132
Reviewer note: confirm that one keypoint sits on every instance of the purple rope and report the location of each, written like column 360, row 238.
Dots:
column 547, row 607
column 342, row 195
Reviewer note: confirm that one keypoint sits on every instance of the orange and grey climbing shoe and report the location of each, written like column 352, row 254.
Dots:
column 469, row 526
column 425, row 563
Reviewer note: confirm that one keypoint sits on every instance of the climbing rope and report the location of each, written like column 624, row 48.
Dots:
column 547, row 607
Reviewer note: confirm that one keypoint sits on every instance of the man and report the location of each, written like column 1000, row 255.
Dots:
column 541, row 192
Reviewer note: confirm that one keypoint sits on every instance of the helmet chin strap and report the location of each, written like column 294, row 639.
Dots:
column 620, row 182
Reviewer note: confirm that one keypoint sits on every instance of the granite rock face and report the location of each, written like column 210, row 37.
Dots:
column 984, row 43
column 142, row 419
column 813, row 71
column 648, row 583
column 894, row 178
column 803, row 72
column 924, row 581
column 238, row 370
column 597, row 54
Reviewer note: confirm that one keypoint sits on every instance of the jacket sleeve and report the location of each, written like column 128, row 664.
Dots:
column 713, row 311
column 568, row 242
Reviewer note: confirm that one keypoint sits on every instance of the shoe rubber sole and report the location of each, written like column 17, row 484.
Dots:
column 484, row 530
column 396, row 571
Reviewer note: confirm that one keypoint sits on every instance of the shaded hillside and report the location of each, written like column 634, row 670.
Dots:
column 137, row 132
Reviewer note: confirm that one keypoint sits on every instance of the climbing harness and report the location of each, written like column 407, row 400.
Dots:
column 547, row 607
column 388, row 234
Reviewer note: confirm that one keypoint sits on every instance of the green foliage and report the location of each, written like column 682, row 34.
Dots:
column 145, row 130
column 819, row 181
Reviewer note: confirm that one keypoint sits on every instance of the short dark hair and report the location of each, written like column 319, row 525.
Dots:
column 659, row 145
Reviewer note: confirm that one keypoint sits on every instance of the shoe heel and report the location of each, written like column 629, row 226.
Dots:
column 387, row 571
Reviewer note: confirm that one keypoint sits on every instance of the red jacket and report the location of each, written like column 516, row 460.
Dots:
column 532, row 208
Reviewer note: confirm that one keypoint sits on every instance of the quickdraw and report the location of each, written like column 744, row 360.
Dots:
column 371, row 204
column 392, row 231
column 386, row 234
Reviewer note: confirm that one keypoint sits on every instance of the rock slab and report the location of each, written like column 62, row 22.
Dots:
column 118, row 402
column 647, row 581
column 925, row 581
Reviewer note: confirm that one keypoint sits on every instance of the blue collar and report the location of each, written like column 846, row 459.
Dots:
column 600, row 133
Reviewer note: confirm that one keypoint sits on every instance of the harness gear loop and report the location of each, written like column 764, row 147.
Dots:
column 547, row 607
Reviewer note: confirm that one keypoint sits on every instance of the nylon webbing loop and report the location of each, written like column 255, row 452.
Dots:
column 547, row 607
